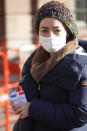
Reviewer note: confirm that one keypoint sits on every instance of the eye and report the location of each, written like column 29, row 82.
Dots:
column 44, row 31
column 57, row 30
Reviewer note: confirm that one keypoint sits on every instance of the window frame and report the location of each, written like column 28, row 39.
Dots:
column 81, row 19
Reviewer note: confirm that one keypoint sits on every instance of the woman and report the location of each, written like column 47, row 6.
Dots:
column 54, row 78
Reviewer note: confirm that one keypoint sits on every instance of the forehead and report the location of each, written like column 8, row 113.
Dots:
column 50, row 22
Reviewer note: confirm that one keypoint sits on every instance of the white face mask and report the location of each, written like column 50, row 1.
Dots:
column 52, row 44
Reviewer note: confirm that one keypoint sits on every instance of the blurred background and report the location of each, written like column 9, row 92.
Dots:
column 18, row 41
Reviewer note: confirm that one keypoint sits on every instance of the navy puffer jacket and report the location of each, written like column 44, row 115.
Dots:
column 60, row 102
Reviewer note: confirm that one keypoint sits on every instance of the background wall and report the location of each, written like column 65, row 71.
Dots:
column 2, row 20
column 17, row 20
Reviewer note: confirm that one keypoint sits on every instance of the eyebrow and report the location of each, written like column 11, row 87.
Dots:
column 56, row 27
column 44, row 27
column 48, row 27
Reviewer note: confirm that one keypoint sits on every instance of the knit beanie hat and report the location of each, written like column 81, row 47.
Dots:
column 58, row 10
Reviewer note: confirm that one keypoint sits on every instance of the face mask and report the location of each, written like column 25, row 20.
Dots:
column 52, row 44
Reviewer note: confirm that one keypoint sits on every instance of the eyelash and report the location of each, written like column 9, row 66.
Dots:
column 46, row 31
column 57, row 30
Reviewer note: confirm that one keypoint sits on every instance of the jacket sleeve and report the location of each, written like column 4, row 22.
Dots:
column 27, row 82
column 67, row 116
column 83, row 43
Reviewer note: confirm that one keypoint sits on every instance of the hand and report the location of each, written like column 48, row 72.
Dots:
column 22, row 109
column 11, row 106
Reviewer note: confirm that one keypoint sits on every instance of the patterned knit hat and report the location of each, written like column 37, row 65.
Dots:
column 58, row 10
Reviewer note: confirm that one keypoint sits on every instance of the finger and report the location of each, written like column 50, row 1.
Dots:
column 12, row 111
column 12, row 108
column 18, row 111
column 10, row 101
column 22, row 116
column 11, row 104
column 18, row 106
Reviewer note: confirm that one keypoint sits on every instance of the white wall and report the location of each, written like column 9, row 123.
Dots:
column 18, row 22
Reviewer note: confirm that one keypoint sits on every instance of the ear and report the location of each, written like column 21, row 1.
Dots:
column 67, row 35
column 36, row 34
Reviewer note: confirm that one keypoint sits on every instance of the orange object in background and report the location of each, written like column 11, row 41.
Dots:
column 6, row 84
column 35, row 42
column 9, row 69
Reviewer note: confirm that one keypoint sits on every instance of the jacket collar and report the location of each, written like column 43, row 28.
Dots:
column 42, row 62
